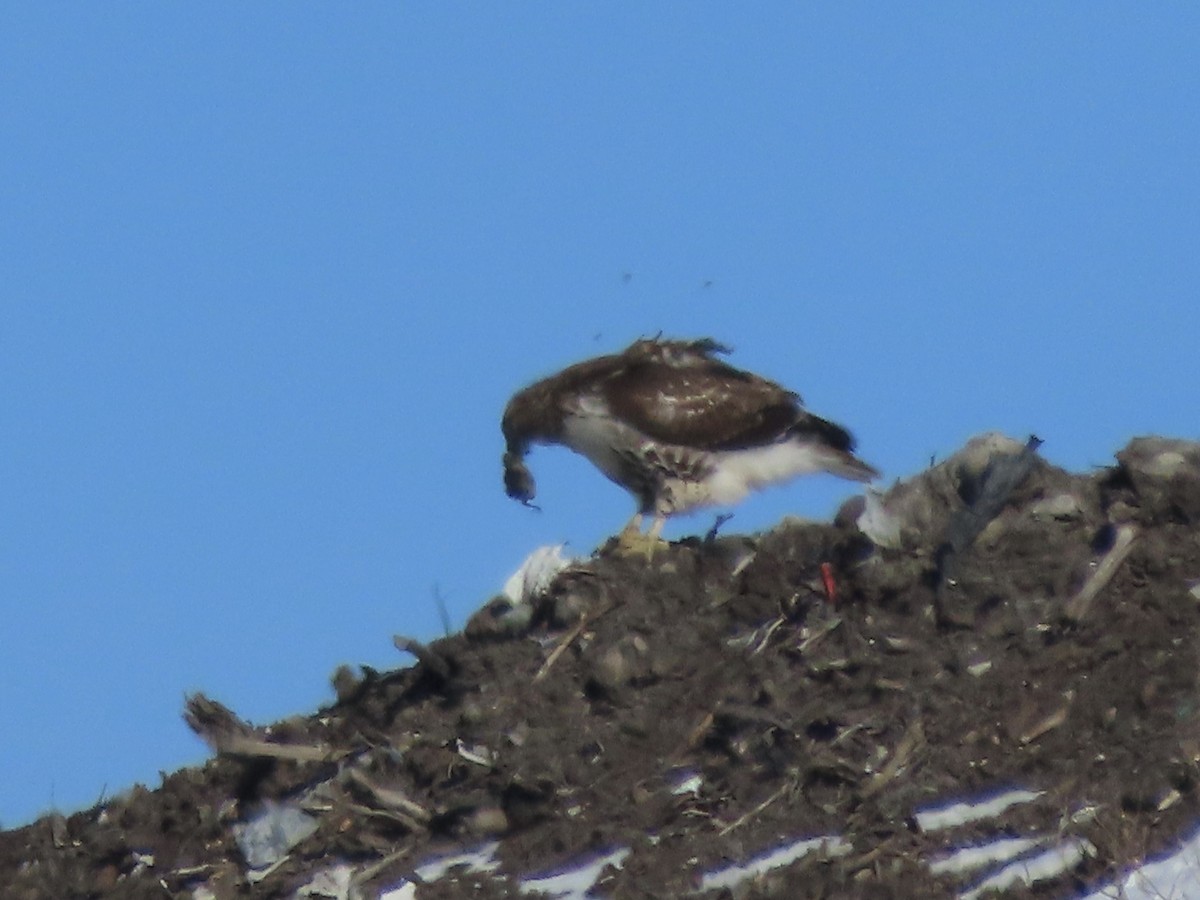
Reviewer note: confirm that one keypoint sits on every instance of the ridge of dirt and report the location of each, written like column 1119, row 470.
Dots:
column 729, row 696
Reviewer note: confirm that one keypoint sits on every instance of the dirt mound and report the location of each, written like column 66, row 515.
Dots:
column 985, row 678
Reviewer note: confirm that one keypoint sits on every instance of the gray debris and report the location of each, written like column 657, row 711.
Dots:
column 1063, row 507
column 1003, row 474
column 266, row 838
column 336, row 882
column 881, row 527
column 1159, row 457
column 1165, row 472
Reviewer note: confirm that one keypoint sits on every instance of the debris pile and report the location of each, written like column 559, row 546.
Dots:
column 982, row 680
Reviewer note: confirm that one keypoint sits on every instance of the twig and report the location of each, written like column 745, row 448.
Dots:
column 427, row 656
column 912, row 738
column 561, row 647
column 443, row 613
column 571, row 636
column 761, row 643
column 390, row 797
column 823, row 630
column 379, row 865
column 390, row 815
column 1048, row 723
column 695, row 735
column 228, row 735
column 213, row 721
column 243, row 745
column 720, row 520
column 738, row 823
column 1078, row 606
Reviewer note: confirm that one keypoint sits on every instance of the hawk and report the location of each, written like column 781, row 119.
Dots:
column 676, row 427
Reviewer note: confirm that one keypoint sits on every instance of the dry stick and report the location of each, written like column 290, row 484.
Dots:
column 425, row 655
column 228, row 735
column 910, row 741
column 376, row 867
column 391, row 798
column 738, row 823
column 1078, row 606
column 389, row 815
column 240, row 745
column 561, row 648
column 571, row 636
column 1048, row 723
column 695, row 735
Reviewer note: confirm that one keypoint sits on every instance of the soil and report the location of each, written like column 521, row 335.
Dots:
column 1005, row 625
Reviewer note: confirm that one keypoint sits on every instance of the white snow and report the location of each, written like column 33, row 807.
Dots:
column 575, row 883
column 1047, row 864
column 937, row 818
column 729, row 876
column 1176, row 877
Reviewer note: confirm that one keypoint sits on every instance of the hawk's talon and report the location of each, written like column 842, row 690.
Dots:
column 630, row 542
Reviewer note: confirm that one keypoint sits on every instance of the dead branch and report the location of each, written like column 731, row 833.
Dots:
column 384, row 862
column 738, row 823
column 1049, row 722
column 1078, row 606
column 910, row 741
column 390, row 798
column 213, row 722
column 571, row 636
column 218, row 726
column 388, row 815
column 427, row 656
column 561, row 647
column 260, row 748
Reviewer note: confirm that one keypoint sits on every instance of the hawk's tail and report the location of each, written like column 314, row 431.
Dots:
column 833, row 447
column 844, row 464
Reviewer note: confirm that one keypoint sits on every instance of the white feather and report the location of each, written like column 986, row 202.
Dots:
column 738, row 472
column 595, row 435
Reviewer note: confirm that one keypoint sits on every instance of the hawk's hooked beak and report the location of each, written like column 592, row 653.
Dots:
column 518, row 480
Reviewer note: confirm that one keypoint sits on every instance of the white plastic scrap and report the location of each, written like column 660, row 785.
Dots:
column 689, row 782
column 577, row 881
column 477, row 753
column 961, row 813
column 536, row 574
column 1047, row 864
column 266, row 838
column 729, row 876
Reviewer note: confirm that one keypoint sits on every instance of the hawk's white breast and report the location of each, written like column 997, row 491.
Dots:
column 591, row 431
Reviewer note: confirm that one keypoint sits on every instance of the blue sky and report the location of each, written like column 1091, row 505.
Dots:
column 270, row 273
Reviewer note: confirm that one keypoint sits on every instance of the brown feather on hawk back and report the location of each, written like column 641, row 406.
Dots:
column 677, row 392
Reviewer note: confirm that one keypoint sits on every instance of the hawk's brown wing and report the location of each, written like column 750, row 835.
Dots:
column 708, row 405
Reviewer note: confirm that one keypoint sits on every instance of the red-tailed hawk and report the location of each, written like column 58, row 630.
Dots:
column 676, row 427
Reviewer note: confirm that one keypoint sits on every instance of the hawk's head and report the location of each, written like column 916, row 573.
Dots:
column 523, row 425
